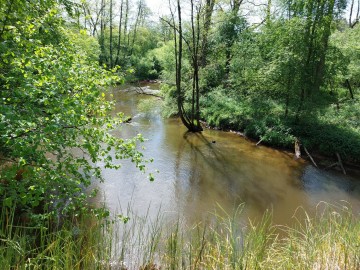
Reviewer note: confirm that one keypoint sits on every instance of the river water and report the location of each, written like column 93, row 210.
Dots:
column 202, row 171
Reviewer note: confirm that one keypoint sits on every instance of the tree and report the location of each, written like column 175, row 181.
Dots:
column 347, row 42
column 119, row 33
column 317, row 17
column 54, row 126
column 191, row 117
column 208, row 13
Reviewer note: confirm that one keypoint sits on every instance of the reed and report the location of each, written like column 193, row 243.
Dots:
column 328, row 240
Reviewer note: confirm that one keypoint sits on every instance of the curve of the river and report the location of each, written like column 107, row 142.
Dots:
column 198, row 172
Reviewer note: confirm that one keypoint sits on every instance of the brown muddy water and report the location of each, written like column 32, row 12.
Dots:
column 212, row 169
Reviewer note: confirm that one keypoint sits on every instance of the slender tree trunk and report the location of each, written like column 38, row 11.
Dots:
column 178, row 69
column 356, row 20
column 119, row 37
column 196, row 68
column 137, row 21
column 194, row 59
column 350, row 89
column 126, row 23
column 102, row 34
column 289, row 10
column 268, row 12
column 85, row 17
column 111, row 34
column 351, row 12
column 195, row 29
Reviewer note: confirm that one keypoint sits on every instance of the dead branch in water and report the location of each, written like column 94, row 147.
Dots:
column 340, row 163
column 259, row 141
column 312, row 160
column 140, row 90
column 297, row 149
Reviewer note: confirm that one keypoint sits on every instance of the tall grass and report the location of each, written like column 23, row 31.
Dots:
column 80, row 243
column 329, row 240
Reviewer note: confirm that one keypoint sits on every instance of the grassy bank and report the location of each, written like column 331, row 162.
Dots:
column 79, row 243
column 323, row 129
column 328, row 241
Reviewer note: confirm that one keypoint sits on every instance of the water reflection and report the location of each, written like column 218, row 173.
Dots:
column 202, row 170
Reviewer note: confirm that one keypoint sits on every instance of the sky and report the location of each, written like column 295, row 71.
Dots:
column 157, row 6
column 161, row 7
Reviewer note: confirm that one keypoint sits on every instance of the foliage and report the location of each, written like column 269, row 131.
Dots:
column 164, row 54
column 146, row 68
column 348, row 43
column 55, row 124
column 83, row 43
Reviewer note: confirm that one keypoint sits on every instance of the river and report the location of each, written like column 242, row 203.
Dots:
column 202, row 171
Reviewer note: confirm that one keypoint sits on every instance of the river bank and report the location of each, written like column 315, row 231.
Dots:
column 296, row 149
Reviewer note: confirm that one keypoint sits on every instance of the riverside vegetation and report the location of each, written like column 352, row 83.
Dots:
column 328, row 241
column 292, row 73
column 295, row 75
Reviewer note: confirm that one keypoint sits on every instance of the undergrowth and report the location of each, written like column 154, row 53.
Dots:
column 325, row 130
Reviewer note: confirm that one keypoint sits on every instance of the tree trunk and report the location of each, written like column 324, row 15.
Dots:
column 111, row 35
column 268, row 12
column 188, row 122
column 119, row 37
column 209, row 8
column 351, row 12
column 126, row 23
column 196, row 69
column 102, row 59
column 178, row 56
column 137, row 21
column 350, row 89
column 356, row 20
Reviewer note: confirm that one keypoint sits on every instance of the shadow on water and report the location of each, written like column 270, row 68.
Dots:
column 217, row 176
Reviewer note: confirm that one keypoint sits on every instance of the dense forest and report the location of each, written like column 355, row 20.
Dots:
column 281, row 72
column 278, row 71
